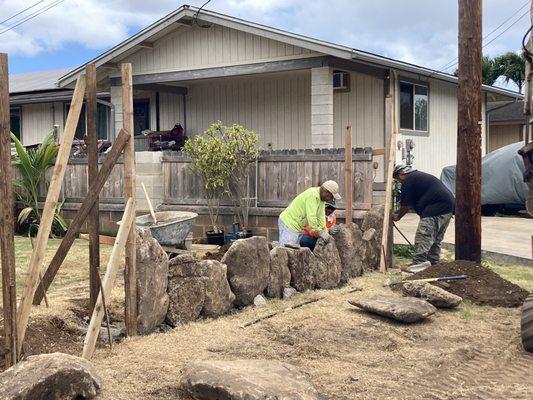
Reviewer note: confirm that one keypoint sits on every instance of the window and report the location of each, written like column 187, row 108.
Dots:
column 102, row 121
column 341, row 81
column 414, row 107
column 15, row 122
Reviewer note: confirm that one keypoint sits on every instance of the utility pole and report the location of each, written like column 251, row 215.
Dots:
column 468, row 173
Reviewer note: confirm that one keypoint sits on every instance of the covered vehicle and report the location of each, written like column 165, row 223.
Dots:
column 502, row 179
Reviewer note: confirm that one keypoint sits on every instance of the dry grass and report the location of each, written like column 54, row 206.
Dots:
column 445, row 358
column 472, row 352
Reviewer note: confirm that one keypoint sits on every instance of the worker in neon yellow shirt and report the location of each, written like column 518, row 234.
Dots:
column 307, row 210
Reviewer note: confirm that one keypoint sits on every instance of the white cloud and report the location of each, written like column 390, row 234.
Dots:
column 418, row 31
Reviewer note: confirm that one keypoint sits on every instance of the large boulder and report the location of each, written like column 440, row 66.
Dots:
column 326, row 265
column 218, row 294
column 247, row 380
column 280, row 275
column 369, row 250
column 152, row 281
column 55, row 376
column 187, row 296
column 374, row 219
column 432, row 294
column 248, row 262
column 317, row 269
column 197, row 288
column 349, row 242
column 404, row 309
column 302, row 263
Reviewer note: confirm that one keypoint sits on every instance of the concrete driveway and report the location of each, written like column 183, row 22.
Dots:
column 509, row 236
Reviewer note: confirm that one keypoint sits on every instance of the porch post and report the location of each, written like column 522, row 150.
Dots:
column 322, row 107
column 116, row 100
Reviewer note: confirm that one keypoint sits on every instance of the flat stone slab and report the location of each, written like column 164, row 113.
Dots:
column 404, row 309
column 55, row 376
column 433, row 294
column 247, row 380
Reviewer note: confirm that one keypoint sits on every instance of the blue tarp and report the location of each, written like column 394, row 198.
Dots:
column 502, row 179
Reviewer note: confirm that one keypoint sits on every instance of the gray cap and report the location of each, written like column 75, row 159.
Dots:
column 402, row 169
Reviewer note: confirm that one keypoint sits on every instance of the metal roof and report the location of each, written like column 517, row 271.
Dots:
column 35, row 81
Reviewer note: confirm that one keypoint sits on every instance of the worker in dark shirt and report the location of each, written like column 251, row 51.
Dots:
column 433, row 202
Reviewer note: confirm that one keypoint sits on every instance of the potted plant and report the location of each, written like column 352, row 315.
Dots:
column 241, row 147
column 32, row 165
column 209, row 160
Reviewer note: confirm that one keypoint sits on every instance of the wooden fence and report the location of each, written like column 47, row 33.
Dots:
column 278, row 176
column 75, row 183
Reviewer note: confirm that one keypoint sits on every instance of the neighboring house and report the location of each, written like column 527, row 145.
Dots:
column 37, row 105
column 507, row 124
column 196, row 67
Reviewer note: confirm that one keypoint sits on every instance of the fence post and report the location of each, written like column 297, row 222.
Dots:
column 348, row 183
column 7, row 242
column 130, row 285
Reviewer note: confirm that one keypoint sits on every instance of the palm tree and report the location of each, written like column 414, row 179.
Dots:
column 32, row 165
column 488, row 72
column 512, row 67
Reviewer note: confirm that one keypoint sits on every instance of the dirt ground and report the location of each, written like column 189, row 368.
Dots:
column 472, row 352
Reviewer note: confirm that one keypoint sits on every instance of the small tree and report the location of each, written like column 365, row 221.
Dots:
column 210, row 161
column 241, row 144
column 32, row 166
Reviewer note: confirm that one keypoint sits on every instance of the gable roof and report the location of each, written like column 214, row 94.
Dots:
column 185, row 14
column 505, row 111
column 35, row 81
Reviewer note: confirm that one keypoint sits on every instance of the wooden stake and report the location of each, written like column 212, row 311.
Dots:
column 468, row 172
column 7, row 243
column 149, row 203
column 109, row 280
column 80, row 217
column 348, row 182
column 390, row 106
column 50, row 205
column 130, row 285
column 93, row 220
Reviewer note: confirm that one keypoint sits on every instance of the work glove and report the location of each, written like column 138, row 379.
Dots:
column 325, row 236
column 334, row 230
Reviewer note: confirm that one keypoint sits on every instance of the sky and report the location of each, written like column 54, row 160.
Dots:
column 423, row 32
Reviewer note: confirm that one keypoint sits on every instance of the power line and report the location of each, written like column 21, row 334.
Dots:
column 20, row 12
column 31, row 16
column 454, row 62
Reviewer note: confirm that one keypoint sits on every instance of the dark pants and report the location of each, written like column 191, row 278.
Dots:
column 308, row 241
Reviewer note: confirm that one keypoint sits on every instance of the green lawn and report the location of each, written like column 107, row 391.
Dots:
column 74, row 270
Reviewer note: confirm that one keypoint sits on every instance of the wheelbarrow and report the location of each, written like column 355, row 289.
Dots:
column 172, row 227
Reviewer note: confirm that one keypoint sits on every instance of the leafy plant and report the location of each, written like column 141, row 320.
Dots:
column 241, row 147
column 32, row 165
column 210, row 161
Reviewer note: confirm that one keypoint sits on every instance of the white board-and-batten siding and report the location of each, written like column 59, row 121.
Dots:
column 438, row 149
column 195, row 48
column 277, row 107
column 39, row 119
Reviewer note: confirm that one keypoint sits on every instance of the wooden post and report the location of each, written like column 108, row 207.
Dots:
column 109, row 280
column 130, row 285
column 390, row 106
column 468, row 172
column 348, row 182
column 152, row 212
column 7, row 243
column 50, row 205
column 93, row 221
column 81, row 215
